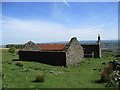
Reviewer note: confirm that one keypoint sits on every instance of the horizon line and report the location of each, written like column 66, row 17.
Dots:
column 61, row 41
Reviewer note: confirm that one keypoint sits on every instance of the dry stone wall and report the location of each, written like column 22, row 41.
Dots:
column 92, row 49
column 52, row 58
column 30, row 46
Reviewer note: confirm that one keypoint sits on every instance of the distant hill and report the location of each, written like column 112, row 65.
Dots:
column 105, row 43
column 110, row 45
column 82, row 42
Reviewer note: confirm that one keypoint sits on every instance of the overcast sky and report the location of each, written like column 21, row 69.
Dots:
column 58, row 21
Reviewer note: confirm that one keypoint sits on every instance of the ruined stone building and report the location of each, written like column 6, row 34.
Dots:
column 69, row 54
column 92, row 50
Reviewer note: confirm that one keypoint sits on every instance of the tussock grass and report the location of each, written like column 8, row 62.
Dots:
column 10, row 62
column 39, row 77
column 19, row 63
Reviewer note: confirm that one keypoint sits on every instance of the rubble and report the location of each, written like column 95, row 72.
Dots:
column 116, row 69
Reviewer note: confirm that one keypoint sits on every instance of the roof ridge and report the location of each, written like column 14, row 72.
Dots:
column 52, row 46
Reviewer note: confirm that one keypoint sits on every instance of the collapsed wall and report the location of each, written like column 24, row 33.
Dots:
column 92, row 50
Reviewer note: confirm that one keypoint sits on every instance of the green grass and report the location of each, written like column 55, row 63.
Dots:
column 82, row 76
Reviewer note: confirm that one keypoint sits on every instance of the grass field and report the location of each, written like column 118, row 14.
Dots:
column 82, row 76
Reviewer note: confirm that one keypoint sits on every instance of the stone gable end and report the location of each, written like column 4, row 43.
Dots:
column 74, row 53
column 30, row 46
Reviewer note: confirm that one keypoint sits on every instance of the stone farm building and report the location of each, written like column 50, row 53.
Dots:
column 54, row 54
column 69, row 54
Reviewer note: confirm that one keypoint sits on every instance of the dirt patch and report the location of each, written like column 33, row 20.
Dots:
column 4, row 48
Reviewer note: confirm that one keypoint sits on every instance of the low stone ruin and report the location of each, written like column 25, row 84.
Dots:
column 111, row 72
column 116, row 68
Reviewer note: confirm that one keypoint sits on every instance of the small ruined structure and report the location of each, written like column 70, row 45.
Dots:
column 92, row 50
column 70, row 54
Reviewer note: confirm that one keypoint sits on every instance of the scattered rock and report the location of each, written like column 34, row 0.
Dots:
column 57, row 72
column 114, row 67
column 51, row 72
column 117, row 73
column 101, row 69
column 65, row 70
column 24, row 70
column 115, row 79
column 39, row 68
column 21, row 70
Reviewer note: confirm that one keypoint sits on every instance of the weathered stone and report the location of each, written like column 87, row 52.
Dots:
column 101, row 69
column 113, row 71
column 74, row 53
column 30, row 46
column 115, row 79
column 51, row 72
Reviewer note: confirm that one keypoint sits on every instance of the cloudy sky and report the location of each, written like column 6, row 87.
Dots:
column 58, row 21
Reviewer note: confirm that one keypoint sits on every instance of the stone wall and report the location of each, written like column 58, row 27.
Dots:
column 52, row 58
column 93, row 49
column 74, row 53
column 30, row 46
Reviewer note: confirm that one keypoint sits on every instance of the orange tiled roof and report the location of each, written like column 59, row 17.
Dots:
column 52, row 46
